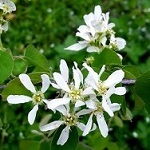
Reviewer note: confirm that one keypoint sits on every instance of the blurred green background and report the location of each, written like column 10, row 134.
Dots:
column 50, row 25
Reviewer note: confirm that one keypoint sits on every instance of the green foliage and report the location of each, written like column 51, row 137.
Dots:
column 142, row 87
column 6, row 65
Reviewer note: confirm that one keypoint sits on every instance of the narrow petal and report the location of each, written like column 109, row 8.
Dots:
column 83, row 29
column 90, row 104
column 114, row 78
column 26, row 81
column 88, row 91
column 76, row 47
column 32, row 114
column 62, row 109
column 81, row 126
column 120, row 90
column 107, row 108
column 17, row 99
column 45, row 83
column 64, row 69
column 98, row 12
column 58, row 102
column 63, row 136
column 92, row 72
column 76, row 78
column 79, row 72
column 83, row 112
column 121, row 43
column 88, row 126
column 101, row 71
column 51, row 126
column 102, row 125
column 79, row 103
column 61, row 82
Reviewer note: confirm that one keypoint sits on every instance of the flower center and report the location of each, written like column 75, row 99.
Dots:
column 70, row 120
column 99, row 108
column 101, row 88
column 75, row 95
column 38, row 97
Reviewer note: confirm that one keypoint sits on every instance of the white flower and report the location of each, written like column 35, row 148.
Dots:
column 117, row 43
column 73, row 91
column 105, row 88
column 69, row 119
column 97, row 110
column 37, row 97
column 7, row 6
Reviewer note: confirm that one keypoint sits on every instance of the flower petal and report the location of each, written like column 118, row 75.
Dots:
column 17, row 99
column 63, row 136
column 79, row 103
column 102, row 125
column 26, row 81
column 114, row 107
column 64, row 69
column 81, row 126
column 120, row 90
column 114, row 78
column 58, row 102
column 92, row 49
column 83, row 112
column 76, row 78
column 32, row 114
column 107, row 108
column 51, row 126
column 88, row 126
column 61, row 81
column 77, row 46
column 45, row 82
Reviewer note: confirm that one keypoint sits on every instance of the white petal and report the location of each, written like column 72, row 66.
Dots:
column 17, row 99
column 76, row 47
column 51, row 126
column 102, row 125
column 63, row 136
column 92, row 49
column 107, row 108
column 90, row 104
column 88, row 18
column 79, row 103
column 120, row 90
column 64, row 69
column 45, row 83
column 84, row 36
column 114, row 78
column 83, row 112
column 32, row 114
column 79, row 72
column 98, row 12
column 26, row 81
column 58, row 102
column 81, row 126
column 61, row 82
column 88, row 126
column 92, row 72
column 88, row 91
column 76, row 78
column 114, row 107
column 83, row 29
column 121, row 43
column 101, row 71
column 62, row 109
column 55, row 86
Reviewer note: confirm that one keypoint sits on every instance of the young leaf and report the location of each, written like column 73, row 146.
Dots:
column 72, row 142
column 6, row 65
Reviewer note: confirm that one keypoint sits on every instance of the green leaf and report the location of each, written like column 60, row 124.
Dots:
column 106, row 57
column 6, row 65
column 72, row 142
column 142, row 88
column 20, row 66
column 34, row 57
column 45, row 145
column 15, row 87
column 131, row 72
column 82, row 146
column 29, row 145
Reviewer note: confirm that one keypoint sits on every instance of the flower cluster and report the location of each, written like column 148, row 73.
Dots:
column 81, row 96
column 6, row 7
column 97, row 33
